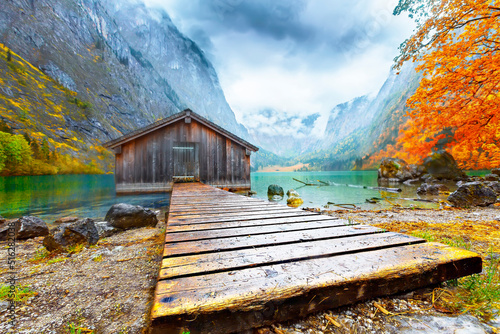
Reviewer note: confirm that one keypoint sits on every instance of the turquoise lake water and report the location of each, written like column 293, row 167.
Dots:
column 54, row 196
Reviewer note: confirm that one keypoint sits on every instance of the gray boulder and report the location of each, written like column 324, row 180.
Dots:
column 473, row 194
column 26, row 228
column 68, row 234
column 65, row 220
column 431, row 189
column 275, row 190
column 126, row 216
column 495, row 185
column 104, row 229
column 491, row 177
column 442, row 165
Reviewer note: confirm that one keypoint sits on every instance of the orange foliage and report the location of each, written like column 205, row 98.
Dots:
column 457, row 44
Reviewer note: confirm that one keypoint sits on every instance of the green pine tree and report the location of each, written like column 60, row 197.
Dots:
column 45, row 150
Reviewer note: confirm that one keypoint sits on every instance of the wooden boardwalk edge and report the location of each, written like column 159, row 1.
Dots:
column 259, row 307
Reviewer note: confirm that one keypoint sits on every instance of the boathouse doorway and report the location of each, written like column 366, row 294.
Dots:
column 186, row 162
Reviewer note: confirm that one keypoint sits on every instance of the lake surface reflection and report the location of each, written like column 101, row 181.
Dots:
column 53, row 196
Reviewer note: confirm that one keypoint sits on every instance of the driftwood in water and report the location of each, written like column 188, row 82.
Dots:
column 392, row 190
column 420, row 200
column 306, row 183
column 344, row 205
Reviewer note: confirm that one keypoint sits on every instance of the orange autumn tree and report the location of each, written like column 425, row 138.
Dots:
column 457, row 45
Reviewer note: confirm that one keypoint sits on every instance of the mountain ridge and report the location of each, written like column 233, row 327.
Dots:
column 99, row 60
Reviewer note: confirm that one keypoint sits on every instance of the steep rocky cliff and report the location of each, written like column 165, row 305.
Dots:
column 364, row 125
column 115, row 65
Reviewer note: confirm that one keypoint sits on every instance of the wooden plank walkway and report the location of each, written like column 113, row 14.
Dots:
column 232, row 263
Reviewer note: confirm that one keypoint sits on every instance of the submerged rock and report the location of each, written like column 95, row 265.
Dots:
column 473, row 194
column 65, row 235
column 26, row 228
column 294, row 199
column 275, row 198
column 431, row 189
column 275, row 190
column 442, row 165
column 411, row 182
column 126, row 216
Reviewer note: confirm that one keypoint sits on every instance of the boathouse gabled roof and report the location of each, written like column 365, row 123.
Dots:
column 172, row 119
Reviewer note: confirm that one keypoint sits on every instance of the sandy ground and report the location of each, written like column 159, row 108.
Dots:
column 278, row 168
column 108, row 288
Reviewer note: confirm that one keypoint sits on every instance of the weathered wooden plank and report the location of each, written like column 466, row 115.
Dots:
column 200, row 220
column 179, row 236
column 261, row 240
column 247, row 223
column 224, row 210
column 240, row 259
column 215, row 207
column 237, row 213
column 239, row 300
column 119, row 168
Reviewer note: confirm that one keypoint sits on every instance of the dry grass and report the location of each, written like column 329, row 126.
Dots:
column 477, row 294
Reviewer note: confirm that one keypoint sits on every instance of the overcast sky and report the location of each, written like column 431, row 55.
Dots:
column 297, row 57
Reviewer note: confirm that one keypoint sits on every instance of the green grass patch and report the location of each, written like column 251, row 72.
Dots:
column 454, row 242
column 21, row 293
column 57, row 259
column 97, row 258
column 75, row 249
column 478, row 294
column 73, row 328
column 40, row 255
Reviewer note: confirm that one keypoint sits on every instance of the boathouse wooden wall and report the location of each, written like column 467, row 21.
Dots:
column 146, row 164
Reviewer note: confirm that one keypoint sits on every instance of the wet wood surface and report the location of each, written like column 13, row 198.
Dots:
column 231, row 263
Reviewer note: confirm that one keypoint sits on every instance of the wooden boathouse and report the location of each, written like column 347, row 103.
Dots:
column 184, row 146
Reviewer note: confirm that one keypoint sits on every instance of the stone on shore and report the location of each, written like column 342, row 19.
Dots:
column 104, row 229
column 69, row 234
column 441, row 165
column 495, row 171
column 26, row 228
column 473, row 194
column 65, row 220
column 491, row 177
column 495, row 185
column 126, row 216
